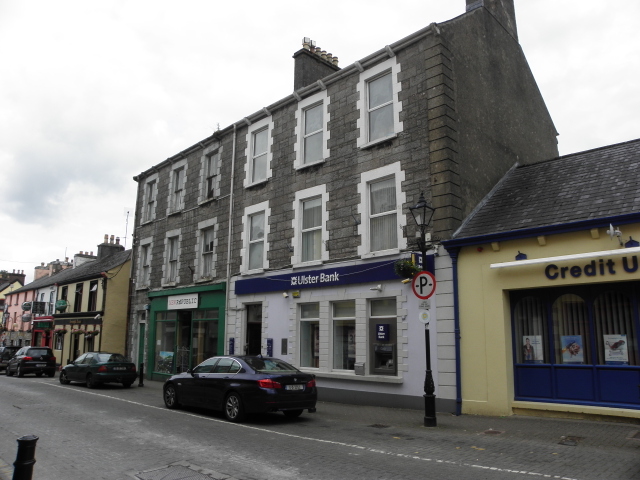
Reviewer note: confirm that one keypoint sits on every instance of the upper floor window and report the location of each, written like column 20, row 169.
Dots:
column 258, row 152
column 77, row 301
column 381, row 201
column 93, row 296
column 144, row 275
column 255, row 237
column 173, row 259
column 309, row 223
column 178, row 189
column 207, row 252
column 378, row 103
column 149, row 199
column 210, row 172
column 312, row 117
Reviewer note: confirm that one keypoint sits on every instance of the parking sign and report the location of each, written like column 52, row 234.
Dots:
column 423, row 285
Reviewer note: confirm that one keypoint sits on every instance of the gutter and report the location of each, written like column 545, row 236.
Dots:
column 230, row 232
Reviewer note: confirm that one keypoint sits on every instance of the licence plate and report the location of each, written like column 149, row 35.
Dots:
column 119, row 368
column 294, row 387
column 40, row 365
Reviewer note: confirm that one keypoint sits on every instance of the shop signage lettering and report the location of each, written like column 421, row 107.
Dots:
column 177, row 302
column 310, row 279
column 592, row 269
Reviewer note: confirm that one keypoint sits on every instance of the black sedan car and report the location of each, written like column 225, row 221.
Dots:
column 38, row 360
column 5, row 355
column 94, row 368
column 238, row 385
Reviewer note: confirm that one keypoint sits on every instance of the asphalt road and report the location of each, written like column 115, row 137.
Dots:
column 115, row 433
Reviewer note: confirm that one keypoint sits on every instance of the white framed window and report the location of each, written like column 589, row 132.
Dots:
column 144, row 265
column 378, row 103
column 177, row 185
column 254, row 238
column 258, row 152
column 312, row 119
column 381, row 200
column 149, row 195
column 343, row 321
column 210, row 173
column 310, row 335
column 172, row 257
column 309, row 226
column 206, row 246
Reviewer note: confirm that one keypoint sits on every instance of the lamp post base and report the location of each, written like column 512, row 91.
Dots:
column 430, row 419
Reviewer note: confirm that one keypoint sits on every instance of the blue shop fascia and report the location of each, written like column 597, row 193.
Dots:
column 186, row 326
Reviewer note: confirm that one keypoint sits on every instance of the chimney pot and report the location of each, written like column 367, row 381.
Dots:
column 335, row 61
column 111, row 239
column 324, row 54
column 117, row 240
column 106, row 238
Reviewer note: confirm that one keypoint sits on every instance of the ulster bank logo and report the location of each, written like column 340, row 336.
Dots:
column 300, row 280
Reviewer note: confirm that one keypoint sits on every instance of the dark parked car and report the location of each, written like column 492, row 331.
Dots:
column 5, row 355
column 241, row 385
column 38, row 360
column 94, row 368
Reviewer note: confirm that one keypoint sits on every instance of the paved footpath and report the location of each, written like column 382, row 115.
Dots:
column 520, row 436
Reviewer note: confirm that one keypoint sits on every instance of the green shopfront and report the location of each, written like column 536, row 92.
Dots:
column 186, row 327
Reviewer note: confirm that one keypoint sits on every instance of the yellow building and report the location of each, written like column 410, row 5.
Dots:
column 548, row 289
column 92, row 303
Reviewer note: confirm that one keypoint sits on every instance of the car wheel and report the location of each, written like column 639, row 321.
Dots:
column 19, row 371
column 91, row 383
column 171, row 397
column 292, row 413
column 127, row 384
column 233, row 409
column 8, row 372
column 63, row 378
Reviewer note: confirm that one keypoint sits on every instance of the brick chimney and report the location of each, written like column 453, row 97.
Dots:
column 109, row 247
column 312, row 64
column 503, row 10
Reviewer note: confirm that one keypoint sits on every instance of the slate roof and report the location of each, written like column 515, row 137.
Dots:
column 83, row 272
column 603, row 183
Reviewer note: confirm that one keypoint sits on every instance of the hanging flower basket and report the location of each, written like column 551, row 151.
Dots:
column 60, row 331
column 92, row 334
column 405, row 268
column 78, row 332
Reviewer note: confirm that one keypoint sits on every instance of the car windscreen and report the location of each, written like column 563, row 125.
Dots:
column 269, row 365
column 111, row 357
column 38, row 352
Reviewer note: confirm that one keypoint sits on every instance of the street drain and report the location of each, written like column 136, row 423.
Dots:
column 174, row 472
column 379, row 425
column 569, row 441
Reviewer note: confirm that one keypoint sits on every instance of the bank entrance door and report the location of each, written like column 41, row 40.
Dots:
column 253, row 341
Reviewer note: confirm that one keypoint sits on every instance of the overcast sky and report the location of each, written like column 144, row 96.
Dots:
column 95, row 92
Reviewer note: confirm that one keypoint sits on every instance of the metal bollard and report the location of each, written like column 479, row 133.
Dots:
column 141, row 380
column 26, row 458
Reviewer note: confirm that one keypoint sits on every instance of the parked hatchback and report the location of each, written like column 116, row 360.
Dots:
column 5, row 355
column 241, row 385
column 38, row 360
column 94, row 368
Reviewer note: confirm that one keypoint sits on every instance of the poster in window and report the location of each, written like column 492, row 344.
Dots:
column 572, row 351
column 532, row 351
column 615, row 350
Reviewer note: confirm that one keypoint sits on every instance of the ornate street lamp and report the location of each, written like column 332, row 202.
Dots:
column 422, row 214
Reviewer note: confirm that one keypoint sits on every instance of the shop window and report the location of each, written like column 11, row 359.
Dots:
column 344, row 335
column 204, row 338
column 571, row 329
column 59, row 342
column 165, row 342
column 531, row 331
column 615, row 329
column 383, row 337
column 310, row 335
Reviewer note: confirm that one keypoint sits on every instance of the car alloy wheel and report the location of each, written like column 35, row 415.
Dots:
column 8, row 372
column 170, row 397
column 233, row 409
column 19, row 371
column 91, row 383
column 63, row 378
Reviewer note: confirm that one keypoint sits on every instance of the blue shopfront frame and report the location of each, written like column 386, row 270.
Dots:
column 593, row 384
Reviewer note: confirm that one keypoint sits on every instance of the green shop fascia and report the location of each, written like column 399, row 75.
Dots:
column 186, row 326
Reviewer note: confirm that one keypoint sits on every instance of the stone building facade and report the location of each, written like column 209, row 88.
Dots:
column 279, row 234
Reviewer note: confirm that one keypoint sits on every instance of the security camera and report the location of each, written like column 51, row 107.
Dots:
column 97, row 317
column 285, row 294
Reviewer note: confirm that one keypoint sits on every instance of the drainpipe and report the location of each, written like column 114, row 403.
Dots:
column 453, row 254
column 230, row 233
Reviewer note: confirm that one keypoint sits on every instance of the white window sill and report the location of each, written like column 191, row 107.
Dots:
column 206, row 200
column 143, row 287
column 175, row 212
column 381, row 253
column 145, row 222
column 308, row 165
column 351, row 376
column 169, row 284
column 253, row 272
column 255, row 184
column 204, row 279
column 378, row 141
column 314, row 263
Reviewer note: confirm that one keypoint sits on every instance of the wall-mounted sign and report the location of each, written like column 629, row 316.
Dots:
column 61, row 305
column 594, row 268
column 269, row 347
column 423, row 285
column 26, row 306
column 178, row 302
column 382, row 332
column 232, row 346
